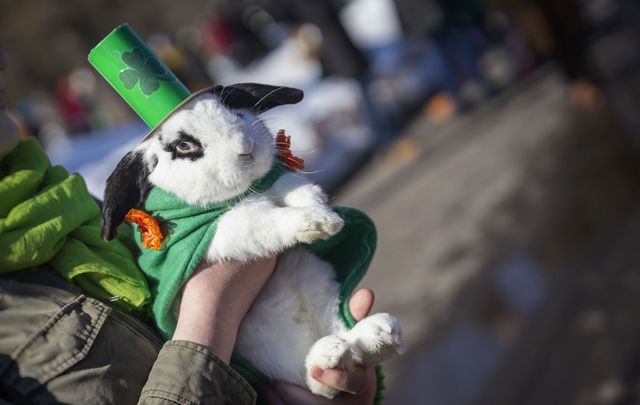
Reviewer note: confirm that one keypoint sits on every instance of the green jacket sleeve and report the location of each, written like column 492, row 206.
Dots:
column 187, row 373
column 48, row 216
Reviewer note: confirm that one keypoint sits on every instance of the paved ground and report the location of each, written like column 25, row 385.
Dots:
column 583, row 347
column 481, row 224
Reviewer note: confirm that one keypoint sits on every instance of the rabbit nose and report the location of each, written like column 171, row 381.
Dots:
column 246, row 147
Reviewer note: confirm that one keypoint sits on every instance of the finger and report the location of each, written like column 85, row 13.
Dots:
column 360, row 303
column 353, row 381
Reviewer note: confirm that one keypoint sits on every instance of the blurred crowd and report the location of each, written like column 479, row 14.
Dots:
column 366, row 66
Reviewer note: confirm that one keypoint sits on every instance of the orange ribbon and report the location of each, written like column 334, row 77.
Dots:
column 148, row 227
column 283, row 145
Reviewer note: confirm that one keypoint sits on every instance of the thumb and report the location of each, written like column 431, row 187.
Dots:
column 360, row 303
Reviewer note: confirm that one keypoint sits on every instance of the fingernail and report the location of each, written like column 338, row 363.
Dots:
column 316, row 372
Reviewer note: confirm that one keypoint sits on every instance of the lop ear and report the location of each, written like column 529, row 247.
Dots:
column 258, row 97
column 127, row 188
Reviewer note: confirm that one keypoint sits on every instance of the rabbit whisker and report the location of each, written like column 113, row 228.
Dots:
column 265, row 96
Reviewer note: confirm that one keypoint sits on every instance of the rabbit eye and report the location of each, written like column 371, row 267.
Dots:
column 185, row 147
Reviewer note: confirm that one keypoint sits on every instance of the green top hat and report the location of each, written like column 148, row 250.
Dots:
column 138, row 75
column 154, row 92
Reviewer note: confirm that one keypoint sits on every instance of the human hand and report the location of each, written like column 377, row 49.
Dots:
column 216, row 298
column 358, row 385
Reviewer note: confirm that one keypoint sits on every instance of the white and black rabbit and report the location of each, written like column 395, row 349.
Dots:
column 213, row 148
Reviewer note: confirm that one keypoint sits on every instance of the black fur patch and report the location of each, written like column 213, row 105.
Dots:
column 127, row 188
column 172, row 147
column 257, row 97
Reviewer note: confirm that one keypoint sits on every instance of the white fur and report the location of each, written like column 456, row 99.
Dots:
column 294, row 323
column 223, row 172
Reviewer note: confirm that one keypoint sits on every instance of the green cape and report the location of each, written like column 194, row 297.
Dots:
column 48, row 216
column 188, row 231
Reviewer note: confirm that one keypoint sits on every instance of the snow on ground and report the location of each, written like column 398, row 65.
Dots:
column 96, row 154
column 287, row 65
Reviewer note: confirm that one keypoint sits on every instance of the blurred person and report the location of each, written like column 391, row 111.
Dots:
column 72, row 106
column 557, row 31
column 59, row 344
column 227, row 31
column 565, row 22
column 423, row 17
column 338, row 54
column 460, row 30
column 189, row 42
column 568, row 30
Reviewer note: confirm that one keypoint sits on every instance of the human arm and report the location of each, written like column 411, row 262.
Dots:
column 194, row 365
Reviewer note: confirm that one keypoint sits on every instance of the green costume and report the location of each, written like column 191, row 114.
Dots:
column 190, row 230
column 188, row 233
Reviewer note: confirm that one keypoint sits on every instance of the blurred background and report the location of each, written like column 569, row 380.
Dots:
column 495, row 144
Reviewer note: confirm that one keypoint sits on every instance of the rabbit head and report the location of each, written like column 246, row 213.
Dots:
column 208, row 151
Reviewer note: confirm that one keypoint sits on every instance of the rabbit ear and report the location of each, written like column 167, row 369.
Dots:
column 258, row 97
column 127, row 188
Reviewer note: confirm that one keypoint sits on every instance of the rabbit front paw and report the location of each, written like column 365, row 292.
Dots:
column 330, row 352
column 318, row 223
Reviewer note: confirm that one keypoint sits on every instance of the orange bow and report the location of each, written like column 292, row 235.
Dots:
column 283, row 145
column 148, row 227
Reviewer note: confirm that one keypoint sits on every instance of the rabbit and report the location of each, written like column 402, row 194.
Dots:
column 211, row 149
